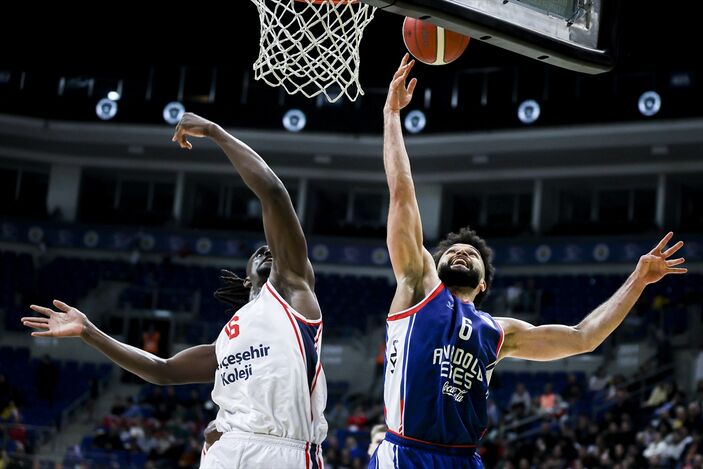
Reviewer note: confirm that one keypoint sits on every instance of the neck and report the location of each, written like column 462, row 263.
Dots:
column 465, row 294
column 254, row 292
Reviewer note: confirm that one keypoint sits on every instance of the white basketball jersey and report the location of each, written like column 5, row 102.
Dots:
column 269, row 378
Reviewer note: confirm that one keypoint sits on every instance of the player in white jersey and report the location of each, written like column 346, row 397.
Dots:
column 265, row 364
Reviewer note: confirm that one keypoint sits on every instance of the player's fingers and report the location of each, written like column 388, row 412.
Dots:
column 669, row 252
column 411, row 85
column 658, row 248
column 36, row 325
column 34, row 319
column 61, row 305
column 673, row 262
column 42, row 334
column 176, row 133
column 42, row 310
column 677, row 270
column 397, row 74
column 183, row 142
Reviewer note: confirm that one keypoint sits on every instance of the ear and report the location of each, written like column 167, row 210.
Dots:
column 482, row 286
column 247, row 282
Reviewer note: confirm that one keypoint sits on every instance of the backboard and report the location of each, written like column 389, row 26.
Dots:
column 578, row 35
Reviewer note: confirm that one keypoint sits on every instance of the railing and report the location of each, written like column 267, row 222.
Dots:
column 642, row 385
column 639, row 384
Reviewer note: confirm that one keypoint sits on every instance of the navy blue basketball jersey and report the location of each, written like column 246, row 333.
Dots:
column 440, row 355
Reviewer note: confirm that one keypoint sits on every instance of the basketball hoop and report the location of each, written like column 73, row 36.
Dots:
column 312, row 46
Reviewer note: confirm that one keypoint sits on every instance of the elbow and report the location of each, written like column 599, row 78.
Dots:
column 400, row 191
column 275, row 190
column 586, row 343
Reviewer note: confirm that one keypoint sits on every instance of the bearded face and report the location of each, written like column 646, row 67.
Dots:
column 461, row 266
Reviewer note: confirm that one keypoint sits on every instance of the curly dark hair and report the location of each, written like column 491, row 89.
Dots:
column 468, row 236
column 233, row 293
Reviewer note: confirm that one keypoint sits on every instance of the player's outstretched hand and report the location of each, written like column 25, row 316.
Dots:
column 67, row 322
column 656, row 264
column 191, row 125
column 399, row 95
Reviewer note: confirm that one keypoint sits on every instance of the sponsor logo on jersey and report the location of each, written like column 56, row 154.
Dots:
column 236, row 366
column 459, row 367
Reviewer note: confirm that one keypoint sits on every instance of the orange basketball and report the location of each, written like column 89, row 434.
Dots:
column 432, row 44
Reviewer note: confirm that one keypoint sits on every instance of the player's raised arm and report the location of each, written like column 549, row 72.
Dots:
column 410, row 260
column 193, row 365
column 284, row 234
column 551, row 342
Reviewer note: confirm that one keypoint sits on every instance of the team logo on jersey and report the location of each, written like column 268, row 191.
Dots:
column 394, row 355
column 232, row 328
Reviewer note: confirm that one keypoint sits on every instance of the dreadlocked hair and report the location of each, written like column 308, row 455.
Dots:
column 468, row 236
column 233, row 293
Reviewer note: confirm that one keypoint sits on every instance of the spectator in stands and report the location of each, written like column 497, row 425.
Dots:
column 10, row 413
column 358, row 419
column 599, row 380
column 133, row 409
column 513, row 297
column 378, row 433
column 660, row 394
column 337, row 417
column 694, row 420
column 493, row 413
column 549, row 401
column 521, row 396
column 572, row 390
column 151, row 339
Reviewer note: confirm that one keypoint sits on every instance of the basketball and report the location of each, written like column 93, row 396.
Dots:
column 432, row 44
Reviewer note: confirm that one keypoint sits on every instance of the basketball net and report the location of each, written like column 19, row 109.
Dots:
column 312, row 46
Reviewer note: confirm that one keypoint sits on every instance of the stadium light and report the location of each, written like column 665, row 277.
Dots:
column 528, row 112
column 113, row 95
column 173, row 112
column 106, row 109
column 649, row 103
column 415, row 122
column 294, row 120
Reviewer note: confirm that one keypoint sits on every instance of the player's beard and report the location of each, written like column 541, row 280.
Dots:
column 465, row 278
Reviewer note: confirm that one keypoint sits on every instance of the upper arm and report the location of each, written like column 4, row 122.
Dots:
column 284, row 234
column 404, row 232
column 192, row 365
column 540, row 343
column 410, row 290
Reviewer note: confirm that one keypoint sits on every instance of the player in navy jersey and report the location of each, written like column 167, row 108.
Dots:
column 441, row 349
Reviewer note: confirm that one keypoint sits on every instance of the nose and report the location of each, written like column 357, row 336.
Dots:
column 267, row 252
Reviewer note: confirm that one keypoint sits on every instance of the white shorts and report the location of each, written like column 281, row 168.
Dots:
column 250, row 450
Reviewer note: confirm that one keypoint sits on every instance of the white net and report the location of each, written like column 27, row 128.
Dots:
column 312, row 46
